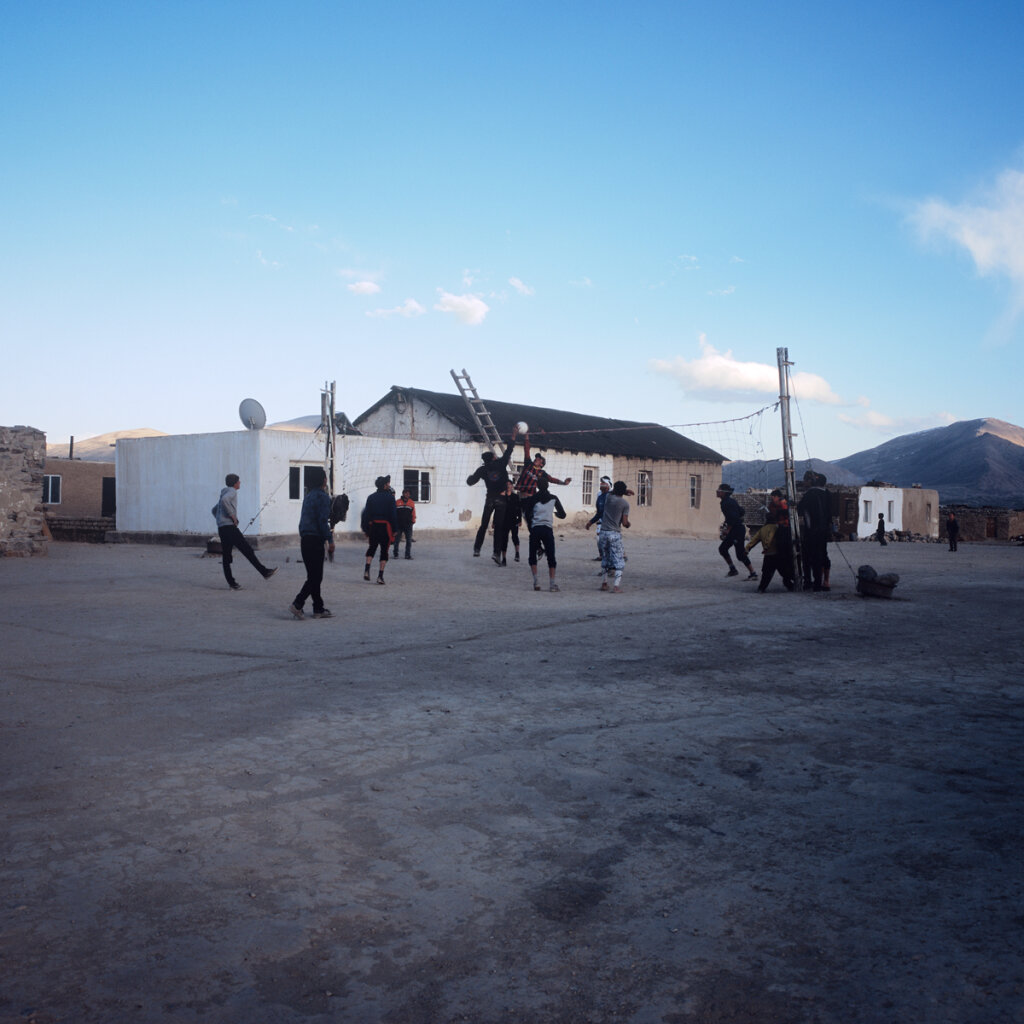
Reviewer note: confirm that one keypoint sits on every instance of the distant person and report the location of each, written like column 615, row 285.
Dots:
column 378, row 522
column 880, row 529
column 405, row 512
column 815, row 511
column 226, row 513
column 952, row 531
column 314, row 534
column 542, row 533
column 595, row 519
column 767, row 536
column 733, row 532
column 494, row 473
column 614, row 519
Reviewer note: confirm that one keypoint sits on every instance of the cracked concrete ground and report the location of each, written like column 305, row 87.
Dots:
column 460, row 800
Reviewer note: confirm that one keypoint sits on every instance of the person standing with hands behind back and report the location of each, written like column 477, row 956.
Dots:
column 314, row 534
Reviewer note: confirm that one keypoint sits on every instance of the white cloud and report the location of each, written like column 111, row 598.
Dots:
column 266, row 262
column 724, row 291
column 363, row 287
column 470, row 309
column 880, row 423
column 583, row 282
column 407, row 309
column 468, row 277
column 991, row 228
column 718, row 375
column 523, row 289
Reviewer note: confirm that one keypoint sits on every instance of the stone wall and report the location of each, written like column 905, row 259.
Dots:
column 22, row 458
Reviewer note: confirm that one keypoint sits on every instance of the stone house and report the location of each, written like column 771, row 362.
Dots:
column 22, row 459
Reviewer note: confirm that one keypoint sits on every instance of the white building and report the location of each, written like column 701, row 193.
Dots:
column 427, row 442
column 888, row 501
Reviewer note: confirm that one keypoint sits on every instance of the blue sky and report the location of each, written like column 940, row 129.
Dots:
column 621, row 209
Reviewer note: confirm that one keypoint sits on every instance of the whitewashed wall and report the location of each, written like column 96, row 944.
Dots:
column 880, row 497
column 168, row 484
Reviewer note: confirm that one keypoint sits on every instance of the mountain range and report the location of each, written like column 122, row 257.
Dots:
column 972, row 462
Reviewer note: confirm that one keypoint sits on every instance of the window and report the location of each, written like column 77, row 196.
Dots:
column 298, row 480
column 417, row 483
column 867, row 511
column 890, row 517
column 644, row 488
column 51, row 490
column 694, row 492
column 589, row 472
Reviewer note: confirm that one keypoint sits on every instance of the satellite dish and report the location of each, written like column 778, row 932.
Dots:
column 252, row 415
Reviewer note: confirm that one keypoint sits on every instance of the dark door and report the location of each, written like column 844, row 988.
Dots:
column 109, row 506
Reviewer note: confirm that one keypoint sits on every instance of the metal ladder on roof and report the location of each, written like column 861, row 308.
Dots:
column 477, row 409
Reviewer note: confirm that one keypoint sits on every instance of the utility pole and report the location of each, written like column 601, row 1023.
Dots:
column 782, row 355
column 327, row 425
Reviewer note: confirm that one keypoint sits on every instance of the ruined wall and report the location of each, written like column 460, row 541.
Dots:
column 22, row 457
column 983, row 523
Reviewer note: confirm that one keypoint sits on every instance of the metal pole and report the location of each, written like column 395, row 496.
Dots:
column 782, row 355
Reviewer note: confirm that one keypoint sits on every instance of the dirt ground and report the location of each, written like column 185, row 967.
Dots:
column 460, row 800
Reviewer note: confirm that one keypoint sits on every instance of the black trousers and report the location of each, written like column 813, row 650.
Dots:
column 493, row 504
column 407, row 530
column 734, row 539
column 313, row 559
column 232, row 537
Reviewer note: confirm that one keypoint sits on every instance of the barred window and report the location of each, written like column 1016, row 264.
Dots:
column 589, row 472
column 644, row 488
column 694, row 492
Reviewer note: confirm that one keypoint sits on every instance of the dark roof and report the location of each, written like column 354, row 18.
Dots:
column 565, row 431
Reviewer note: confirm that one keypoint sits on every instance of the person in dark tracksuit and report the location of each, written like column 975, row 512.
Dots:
column 734, row 533
column 378, row 522
column 314, row 534
column 494, row 473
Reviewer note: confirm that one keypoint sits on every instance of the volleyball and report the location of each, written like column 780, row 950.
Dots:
column 522, row 426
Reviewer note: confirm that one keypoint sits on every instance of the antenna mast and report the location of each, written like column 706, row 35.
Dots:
column 328, row 427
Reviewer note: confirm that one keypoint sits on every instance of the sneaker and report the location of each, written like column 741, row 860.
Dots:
column 733, row 571
column 235, row 586
column 496, row 559
column 597, row 559
column 408, row 558
column 476, row 553
column 296, row 611
column 380, row 580
column 269, row 573
column 324, row 613
column 517, row 556
column 752, row 576
column 503, row 563
column 616, row 590
column 536, row 586
column 366, row 575
column 553, row 588
column 604, row 586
